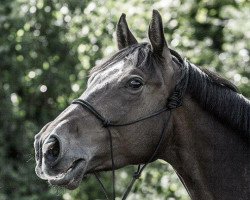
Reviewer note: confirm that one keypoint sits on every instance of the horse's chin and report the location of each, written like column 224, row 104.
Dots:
column 72, row 178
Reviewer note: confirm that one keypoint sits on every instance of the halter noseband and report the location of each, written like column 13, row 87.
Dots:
column 174, row 101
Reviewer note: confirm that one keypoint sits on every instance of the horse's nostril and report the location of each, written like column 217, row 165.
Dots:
column 53, row 150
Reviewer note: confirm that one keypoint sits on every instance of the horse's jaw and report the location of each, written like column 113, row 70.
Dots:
column 70, row 178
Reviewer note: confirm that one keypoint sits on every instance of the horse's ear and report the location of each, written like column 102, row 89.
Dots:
column 124, row 36
column 156, row 36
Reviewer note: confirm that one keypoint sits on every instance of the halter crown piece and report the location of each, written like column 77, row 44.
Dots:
column 174, row 101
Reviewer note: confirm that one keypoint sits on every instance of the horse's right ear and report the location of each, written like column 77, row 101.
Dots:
column 124, row 36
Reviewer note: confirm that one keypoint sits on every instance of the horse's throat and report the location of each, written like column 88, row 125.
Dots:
column 208, row 156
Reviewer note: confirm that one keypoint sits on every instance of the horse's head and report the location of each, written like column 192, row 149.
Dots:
column 133, row 83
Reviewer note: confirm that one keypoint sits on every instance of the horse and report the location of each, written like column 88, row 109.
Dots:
column 146, row 103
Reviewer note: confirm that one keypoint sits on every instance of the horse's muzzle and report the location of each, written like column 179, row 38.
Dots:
column 54, row 165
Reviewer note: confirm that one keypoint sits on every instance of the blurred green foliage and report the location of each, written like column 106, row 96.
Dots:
column 47, row 48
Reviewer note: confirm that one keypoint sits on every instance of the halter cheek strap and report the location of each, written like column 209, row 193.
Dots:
column 174, row 101
column 107, row 124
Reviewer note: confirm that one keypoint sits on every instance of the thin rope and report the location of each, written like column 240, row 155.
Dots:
column 140, row 169
column 174, row 101
column 101, row 184
column 112, row 161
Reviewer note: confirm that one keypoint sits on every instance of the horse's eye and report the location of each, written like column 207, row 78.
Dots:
column 135, row 83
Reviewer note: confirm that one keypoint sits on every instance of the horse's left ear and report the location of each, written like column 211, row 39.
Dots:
column 156, row 36
column 124, row 36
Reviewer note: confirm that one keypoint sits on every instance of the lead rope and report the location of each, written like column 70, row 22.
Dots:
column 107, row 124
column 112, row 160
column 174, row 101
column 140, row 168
column 101, row 184
column 113, row 168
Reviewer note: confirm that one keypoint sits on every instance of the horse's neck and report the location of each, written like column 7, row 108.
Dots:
column 212, row 160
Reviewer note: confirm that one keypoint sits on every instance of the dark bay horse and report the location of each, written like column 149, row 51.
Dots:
column 147, row 103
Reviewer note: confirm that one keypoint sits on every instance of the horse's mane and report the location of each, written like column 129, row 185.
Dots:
column 220, row 97
column 212, row 92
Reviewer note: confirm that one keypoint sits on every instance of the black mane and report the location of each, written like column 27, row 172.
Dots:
column 219, row 97
column 213, row 93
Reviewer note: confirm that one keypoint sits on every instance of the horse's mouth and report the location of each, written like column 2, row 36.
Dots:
column 72, row 177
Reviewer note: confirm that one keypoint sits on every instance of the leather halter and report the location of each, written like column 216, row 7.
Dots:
column 174, row 101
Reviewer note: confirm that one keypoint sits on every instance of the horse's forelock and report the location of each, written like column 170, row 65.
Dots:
column 138, row 54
